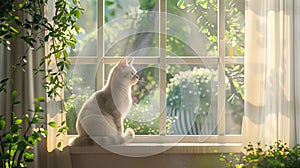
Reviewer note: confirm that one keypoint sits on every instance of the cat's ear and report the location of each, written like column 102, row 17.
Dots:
column 130, row 62
column 122, row 63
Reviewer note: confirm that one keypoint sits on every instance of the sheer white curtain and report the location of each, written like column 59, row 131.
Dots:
column 297, row 67
column 22, row 80
column 271, row 72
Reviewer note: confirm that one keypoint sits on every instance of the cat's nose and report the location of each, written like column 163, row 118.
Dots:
column 136, row 76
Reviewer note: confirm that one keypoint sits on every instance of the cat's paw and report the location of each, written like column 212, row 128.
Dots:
column 129, row 132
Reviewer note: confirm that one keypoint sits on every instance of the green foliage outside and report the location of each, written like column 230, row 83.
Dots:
column 194, row 90
column 206, row 12
column 74, row 102
column 278, row 155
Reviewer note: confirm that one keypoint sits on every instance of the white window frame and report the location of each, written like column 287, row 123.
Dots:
column 221, row 60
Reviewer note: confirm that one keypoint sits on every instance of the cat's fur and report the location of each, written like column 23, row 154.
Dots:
column 101, row 117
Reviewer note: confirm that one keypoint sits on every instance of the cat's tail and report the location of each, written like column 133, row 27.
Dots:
column 105, row 140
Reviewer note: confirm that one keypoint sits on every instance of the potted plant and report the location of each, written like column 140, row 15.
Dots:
column 275, row 156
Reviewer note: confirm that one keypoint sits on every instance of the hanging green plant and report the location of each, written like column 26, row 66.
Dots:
column 19, row 134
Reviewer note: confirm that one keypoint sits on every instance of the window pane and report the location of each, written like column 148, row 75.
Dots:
column 235, row 27
column 143, row 117
column 176, row 47
column 191, row 99
column 192, row 28
column 234, row 98
column 79, row 86
column 131, row 27
column 87, row 39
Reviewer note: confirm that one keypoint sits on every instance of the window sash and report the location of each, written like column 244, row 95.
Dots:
column 221, row 60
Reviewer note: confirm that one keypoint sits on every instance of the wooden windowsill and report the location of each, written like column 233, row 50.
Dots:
column 147, row 149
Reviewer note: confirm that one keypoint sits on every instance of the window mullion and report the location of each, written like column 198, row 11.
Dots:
column 100, row 34
column 221, row 67
column 162, row 72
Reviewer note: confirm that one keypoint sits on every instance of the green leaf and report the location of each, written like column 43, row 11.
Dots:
column 30, row 140
column 9, row 137
column 57, row 55
column 44, row 133
column 36, row 100
column 18, row 121
column 204, row 4
column 38, row 139
column 14, row 94
column 21, row 5
column 35, row 120
column 28, row 156
column 46, row 38
column 2, row 124
column 78, row 14
column 41, row 98
column 113, row 13
column 4, row 156
column 235, row 83
column 109, row 3
column 16, row 103
column 59, row 144
column 14, row 128
column 37, row 17
column 52, row 124
column 180, row 4
column 4, row 80
column 13, row 29
column 65, row 55
column 77, row 28
column 41, row 117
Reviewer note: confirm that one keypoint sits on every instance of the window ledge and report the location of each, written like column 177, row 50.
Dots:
column 156, row 148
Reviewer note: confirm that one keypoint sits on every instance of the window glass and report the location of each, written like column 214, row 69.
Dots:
column 79, row 86
column 235, row 27
column 87, row 39
column 131, row 27
column 192, row 99
column 192, row 26
column 234, row 98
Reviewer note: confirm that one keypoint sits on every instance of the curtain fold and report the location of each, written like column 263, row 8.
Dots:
column 3, row 74
column 270, row 72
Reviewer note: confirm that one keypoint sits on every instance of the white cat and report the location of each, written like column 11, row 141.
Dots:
column 101, row 117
